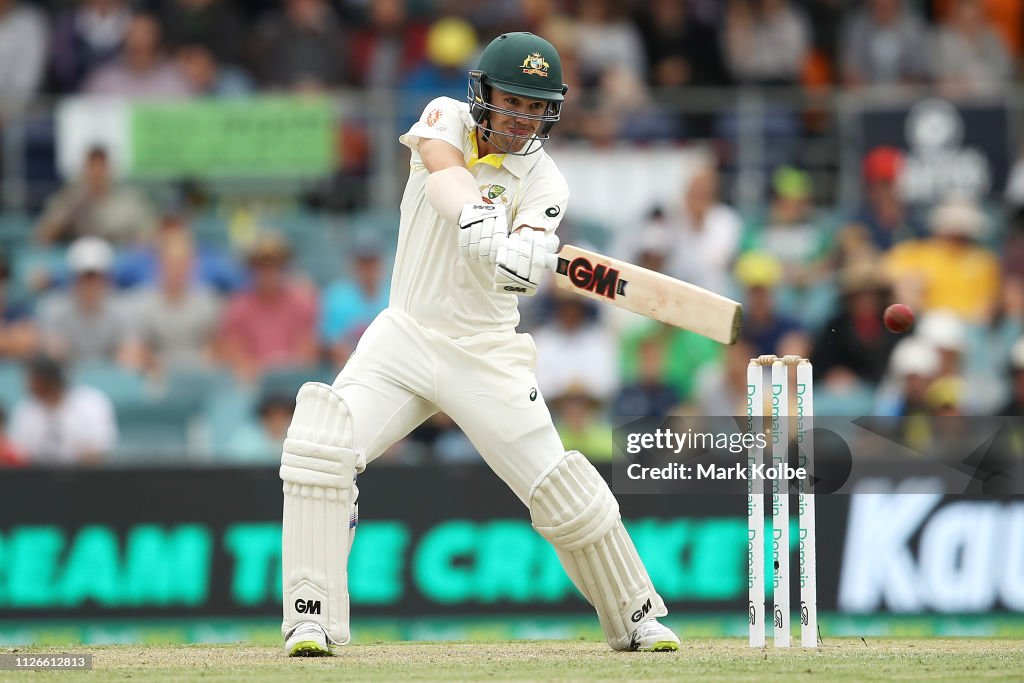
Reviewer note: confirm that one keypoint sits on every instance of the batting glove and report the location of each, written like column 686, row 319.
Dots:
column 521, row 261
column 482, row 229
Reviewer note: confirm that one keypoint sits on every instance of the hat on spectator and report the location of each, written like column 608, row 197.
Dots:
column 914, row 356
column 90, row 255
column 862, row 276
column 958, row 216
column 654, row 240
column 451, row 42
column 791, row 183
column 944, row 330
column 269, row 246
column 883, row 164
column 758, row 269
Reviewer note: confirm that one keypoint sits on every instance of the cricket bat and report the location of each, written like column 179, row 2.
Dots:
column 648, row 293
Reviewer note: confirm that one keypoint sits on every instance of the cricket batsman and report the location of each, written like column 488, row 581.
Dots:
column 478, row 221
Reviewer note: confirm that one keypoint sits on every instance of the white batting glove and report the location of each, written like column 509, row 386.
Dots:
column 521, row 261
column 483, row 228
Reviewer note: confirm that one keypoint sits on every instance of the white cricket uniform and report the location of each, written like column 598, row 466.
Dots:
column 447, row 341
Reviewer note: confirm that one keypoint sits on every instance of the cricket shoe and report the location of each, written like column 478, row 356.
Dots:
column 651, row 636
column 308, row 639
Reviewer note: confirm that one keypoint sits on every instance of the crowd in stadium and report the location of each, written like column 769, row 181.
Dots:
column 127, row 336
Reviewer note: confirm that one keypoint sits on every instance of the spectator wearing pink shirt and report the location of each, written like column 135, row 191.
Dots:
column 142, row 70
column 273, row 323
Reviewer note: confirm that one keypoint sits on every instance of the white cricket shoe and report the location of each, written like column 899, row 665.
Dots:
column 651, row 636
column 308, row 639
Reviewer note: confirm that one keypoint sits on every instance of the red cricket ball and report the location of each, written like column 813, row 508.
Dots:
column 898, row 318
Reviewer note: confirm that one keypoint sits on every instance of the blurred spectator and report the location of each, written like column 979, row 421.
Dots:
column 968, row 57
column 949, row 270
column 945, row 398
column 913, row 365
column 680, row 50
column 884, row 42
column 855, row 345
column 22, row 54
column 792, row 232
column 649, row 395
column 391, row 46
column 1015, row 405
column 622, row 109
column 704, row 233
column 682, row 354
column 303, row 48
column 176, row 318
column 574, row 349
column 608, row 50
column 538, row 16
column 9, row 455
column 18, row 334
column 205, row 75
column 607, row 41
column 213, row 24
column 766, row 42
column 579, row 418
column 262, row 440
column 882, row 219
column 764, row 328
column 86, row 37
column 947, row 334
column 60, row 424
column 973, row 351
column 273, row 324
column 349, row 305
column 214, row 267
column 441, row 438
column 450, row 45
column 721, row 388
column 142, row 69
column 95, row 205
column 86, row 325
column 1005, row 17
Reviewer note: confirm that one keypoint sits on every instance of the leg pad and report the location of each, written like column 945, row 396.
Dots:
column 318, row 468
column 572, row 507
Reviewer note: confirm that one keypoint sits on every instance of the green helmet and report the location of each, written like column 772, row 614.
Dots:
column 521, row 64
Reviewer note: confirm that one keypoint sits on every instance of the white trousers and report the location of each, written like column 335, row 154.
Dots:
column 402, row 373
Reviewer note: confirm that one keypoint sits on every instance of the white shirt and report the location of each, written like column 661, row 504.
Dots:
column 432, row 282
column 83, row 422
column 585, row 358
column 703, row 254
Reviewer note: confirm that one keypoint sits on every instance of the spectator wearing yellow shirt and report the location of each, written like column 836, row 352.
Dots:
column 949, row 270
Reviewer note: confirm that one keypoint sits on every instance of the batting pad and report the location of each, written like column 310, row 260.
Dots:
column 572, row 506
column 318, row 468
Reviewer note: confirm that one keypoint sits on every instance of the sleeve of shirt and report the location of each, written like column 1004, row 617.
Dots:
column 442, row 119
column 543, row 202
column 99, row 423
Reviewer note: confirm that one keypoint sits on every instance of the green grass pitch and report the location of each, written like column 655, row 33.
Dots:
column 961, row 659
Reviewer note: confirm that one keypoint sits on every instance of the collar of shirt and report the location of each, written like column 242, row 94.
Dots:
column 516, row 164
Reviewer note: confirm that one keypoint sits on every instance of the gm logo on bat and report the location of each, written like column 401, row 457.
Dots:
column 600, row 279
